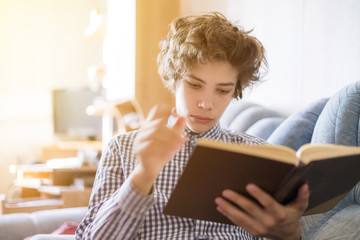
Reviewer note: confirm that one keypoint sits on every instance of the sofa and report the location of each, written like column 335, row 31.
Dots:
column 327, row 120
column 330, row 120
column 17, row 226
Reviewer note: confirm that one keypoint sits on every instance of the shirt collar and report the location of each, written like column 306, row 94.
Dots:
column 213, row 132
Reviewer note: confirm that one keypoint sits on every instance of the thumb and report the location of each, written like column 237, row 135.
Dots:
column 302, row 200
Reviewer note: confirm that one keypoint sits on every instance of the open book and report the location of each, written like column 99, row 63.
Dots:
column 330, row 170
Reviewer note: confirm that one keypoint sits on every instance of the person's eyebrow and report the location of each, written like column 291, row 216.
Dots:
column 196, row 78
column 203, row 81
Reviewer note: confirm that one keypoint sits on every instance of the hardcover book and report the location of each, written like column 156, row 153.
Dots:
column 330, row 171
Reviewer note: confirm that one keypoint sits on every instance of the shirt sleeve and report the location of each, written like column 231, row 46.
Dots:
column 116, row 210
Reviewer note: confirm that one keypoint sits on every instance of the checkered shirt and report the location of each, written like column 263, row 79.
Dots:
column 117, row 211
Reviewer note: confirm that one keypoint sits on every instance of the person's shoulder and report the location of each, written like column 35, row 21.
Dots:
column 122, row 140
column 241, row 137
column 125, row 137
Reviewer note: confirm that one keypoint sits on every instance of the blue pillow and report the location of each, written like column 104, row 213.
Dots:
column 235, row 108
column 339, row 121
column 244, row 120
column 265, row 127
column 298, row 128
column 241, row 115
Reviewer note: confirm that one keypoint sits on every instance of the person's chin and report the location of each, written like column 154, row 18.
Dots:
column 199, row 127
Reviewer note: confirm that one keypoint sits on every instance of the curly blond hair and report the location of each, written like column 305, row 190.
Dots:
column 209, row 38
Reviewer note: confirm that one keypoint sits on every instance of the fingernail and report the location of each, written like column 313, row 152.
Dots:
column 250, row 187
column 226, row 193
column 306, row 188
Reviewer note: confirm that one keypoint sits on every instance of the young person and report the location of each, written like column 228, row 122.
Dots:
column 206, row 61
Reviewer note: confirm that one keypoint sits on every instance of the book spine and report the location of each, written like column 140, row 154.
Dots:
column 288, row 190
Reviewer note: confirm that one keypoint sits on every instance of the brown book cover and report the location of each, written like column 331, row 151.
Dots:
column 214, row 167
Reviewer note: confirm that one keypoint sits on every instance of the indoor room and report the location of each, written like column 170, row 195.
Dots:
column 74, row 74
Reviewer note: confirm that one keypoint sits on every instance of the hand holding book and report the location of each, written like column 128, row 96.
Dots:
column 330, row 171
column 270, row 217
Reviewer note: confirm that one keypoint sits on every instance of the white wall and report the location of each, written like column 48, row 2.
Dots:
column 42, row 46
column 188, row 7
column 313, row 46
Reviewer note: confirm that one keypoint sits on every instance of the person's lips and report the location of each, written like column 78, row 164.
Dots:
column 200, row 119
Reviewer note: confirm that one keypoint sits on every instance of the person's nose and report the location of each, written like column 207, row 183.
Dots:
column 206, row 102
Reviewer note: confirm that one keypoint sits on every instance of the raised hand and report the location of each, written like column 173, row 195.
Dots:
column 271, row 219
column 155, row 145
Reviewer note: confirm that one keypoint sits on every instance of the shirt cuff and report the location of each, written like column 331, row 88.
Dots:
column 133, row 202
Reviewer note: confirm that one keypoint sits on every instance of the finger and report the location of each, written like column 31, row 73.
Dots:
column 179, row 129
column 149, row 129
column 157, row 127
column 157, row 132
column 162, row 111
column 234, row 214
column 160, row 136
column 249, row 206
column 268, row 202
column 302, row 200
column 261, row 196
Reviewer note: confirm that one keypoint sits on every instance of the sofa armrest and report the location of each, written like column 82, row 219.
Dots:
column 339, row 121
column 20, row 225
column 53, row 237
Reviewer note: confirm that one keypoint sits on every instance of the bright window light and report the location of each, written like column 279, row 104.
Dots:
column 119, row 50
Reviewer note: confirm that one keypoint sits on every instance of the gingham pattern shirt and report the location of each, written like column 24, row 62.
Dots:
column 117, row 211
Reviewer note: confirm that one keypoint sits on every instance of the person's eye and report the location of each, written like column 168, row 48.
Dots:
column 194, row 85
column 223, row 91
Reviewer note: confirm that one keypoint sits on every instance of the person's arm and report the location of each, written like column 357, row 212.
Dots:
column 118, row 207
column 114, row 202
column 155, row 145
column 121, row 215
column 271, row 219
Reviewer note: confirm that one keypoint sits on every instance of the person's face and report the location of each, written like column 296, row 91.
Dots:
column 204, row 94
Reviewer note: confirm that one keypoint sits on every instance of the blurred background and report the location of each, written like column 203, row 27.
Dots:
column 57, row 57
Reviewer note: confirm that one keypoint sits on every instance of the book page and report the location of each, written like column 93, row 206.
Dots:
column 312, row 152
column 273, row 152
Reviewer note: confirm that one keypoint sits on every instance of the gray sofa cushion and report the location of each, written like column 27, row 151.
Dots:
column 251, row 118
column 342, row 222
column 339, row 121
column 298, row 128
column 46, row 223
column 234, row 109
column 265, row 127
column 53, row 237
column 17, row 226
